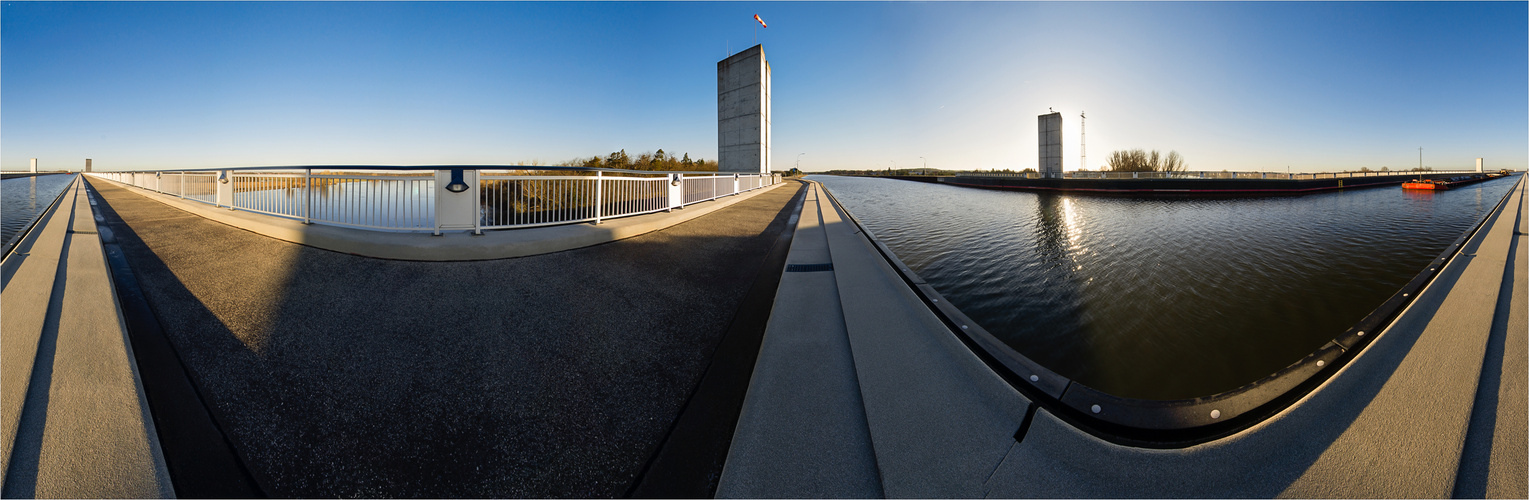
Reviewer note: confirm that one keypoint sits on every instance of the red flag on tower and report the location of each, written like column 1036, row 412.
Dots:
column 761, row 21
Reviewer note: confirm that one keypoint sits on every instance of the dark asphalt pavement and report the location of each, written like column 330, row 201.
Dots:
column 548, row 376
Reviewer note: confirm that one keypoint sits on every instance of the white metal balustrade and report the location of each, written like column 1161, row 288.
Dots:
column 421, row 199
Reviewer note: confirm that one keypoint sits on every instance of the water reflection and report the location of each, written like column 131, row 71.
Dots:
column 1164, row 298
column 22, row 197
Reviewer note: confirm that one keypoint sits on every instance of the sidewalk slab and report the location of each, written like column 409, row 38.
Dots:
column 32, row 268
column 940, row 420
column 84, row 429
column 802, row 432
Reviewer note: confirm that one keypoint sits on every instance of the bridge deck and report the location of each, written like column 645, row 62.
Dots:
column 549, row 375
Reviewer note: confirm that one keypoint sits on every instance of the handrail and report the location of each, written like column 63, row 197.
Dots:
column 1170, row 423
column 424, row 167
column 442, row 197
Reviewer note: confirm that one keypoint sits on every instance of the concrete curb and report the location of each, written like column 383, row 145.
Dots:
column 84, row 428
column 457, row 246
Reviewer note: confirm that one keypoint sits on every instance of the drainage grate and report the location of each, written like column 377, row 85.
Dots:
column 809, row 268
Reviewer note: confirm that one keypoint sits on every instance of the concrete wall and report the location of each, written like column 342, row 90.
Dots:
column 1050, row 132
column 743, row 112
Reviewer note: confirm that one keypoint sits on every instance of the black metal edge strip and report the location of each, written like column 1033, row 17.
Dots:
column 1176, row 423
column 32, row 224
column 687, row 462
column 202, row 461
column 1380, row 181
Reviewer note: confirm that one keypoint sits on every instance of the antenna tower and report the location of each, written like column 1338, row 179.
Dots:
column 1083, row 125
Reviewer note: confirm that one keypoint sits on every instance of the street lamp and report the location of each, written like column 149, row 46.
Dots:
column 799, row 160
column 926, row 164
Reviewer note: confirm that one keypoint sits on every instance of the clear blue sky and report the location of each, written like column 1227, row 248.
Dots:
column 1238, row 86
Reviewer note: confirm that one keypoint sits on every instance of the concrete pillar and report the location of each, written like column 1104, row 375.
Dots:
column 225, row 189
column 34, row 165
column 456, row 210
column 743, row 112
column 1480, row 166
column 87, row 164
column 676, row 191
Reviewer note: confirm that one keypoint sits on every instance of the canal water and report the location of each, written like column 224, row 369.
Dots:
column 1164, row 298
column 21, row 198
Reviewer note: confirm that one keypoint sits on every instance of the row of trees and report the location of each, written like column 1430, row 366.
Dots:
column 658, row 160
column 1137, row 160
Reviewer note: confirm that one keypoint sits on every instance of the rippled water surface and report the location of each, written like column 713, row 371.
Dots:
column 1164, row 298
column 22, row 197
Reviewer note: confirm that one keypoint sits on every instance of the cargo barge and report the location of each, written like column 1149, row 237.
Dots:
column 1443, row 184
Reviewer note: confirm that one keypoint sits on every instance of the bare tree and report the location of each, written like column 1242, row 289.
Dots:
column 1138, row 160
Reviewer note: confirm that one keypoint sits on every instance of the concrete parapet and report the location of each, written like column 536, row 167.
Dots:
column 497, row 244
column 939, row 421
column 75, row 420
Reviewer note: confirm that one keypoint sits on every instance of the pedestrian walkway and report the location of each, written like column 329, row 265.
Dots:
column 340, row 375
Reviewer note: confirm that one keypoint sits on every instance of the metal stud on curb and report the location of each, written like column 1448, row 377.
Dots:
column 1035, row 378
column 1361, row 333
column 1320, row 363
column 963, row 327
column 1215, row 414
column 1096, row 408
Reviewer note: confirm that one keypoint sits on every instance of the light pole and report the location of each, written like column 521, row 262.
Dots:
column 926, row 165
column 799, row 160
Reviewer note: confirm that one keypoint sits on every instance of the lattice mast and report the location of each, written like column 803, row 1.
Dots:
column 1083, row 148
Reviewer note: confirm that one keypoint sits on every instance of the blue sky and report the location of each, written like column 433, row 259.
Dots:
column 1236, row 86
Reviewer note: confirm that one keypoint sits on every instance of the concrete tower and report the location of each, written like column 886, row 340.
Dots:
column 743, row 112
column 1480, row 165
column 1050, row 128
column 34, row 165
column 87, row 164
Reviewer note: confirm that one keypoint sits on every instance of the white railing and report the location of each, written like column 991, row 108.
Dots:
column 422, row 199
column 1212, row 175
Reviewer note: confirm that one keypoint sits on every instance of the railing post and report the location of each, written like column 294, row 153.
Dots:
column 735, row 184
column 477, row 206
column 308, row 196
column 676, row 191
column 224, row 183
column 599, row 195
